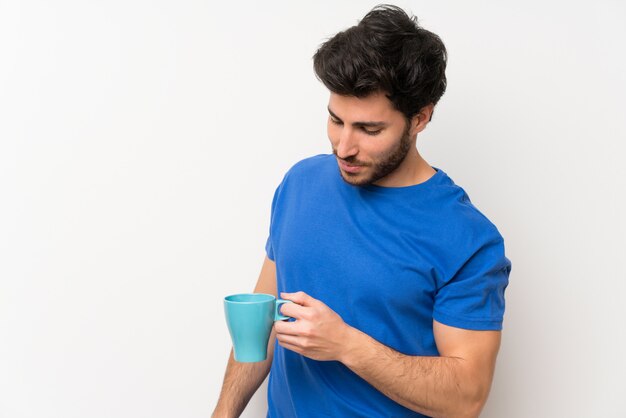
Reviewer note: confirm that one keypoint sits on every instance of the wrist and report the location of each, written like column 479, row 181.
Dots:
column 354, row 342
column 217, row 414
column 224, row 411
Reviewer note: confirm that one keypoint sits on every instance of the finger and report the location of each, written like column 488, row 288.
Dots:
column 286, row 328
column 289, row 344
column 288, row 339
column 300, row 298
column 293, row 310
column 293, row 348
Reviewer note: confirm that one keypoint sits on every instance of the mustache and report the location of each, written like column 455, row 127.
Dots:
column 351, row 160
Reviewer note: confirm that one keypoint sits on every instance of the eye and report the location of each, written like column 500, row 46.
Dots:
column 376, row 132
column 335, row 121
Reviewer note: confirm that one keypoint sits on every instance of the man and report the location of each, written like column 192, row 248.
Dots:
column 397, row 279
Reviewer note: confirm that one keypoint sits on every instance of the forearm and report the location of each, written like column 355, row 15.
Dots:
column 241, row 381
column 433, row 386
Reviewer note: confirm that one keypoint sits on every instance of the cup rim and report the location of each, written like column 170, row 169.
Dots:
column 226, row 298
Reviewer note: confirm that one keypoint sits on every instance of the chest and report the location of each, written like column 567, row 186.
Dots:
column 372, row 264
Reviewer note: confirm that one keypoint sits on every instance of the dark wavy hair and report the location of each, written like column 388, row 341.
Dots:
column 386, row 51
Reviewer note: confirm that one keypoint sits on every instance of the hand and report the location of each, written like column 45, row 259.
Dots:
column 318, row 332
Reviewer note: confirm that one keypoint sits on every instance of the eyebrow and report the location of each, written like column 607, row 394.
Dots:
column 369, row 124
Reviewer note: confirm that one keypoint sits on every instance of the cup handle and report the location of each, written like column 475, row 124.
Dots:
column 277, row 314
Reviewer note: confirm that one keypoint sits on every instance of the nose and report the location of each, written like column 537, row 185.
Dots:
column 348, row 143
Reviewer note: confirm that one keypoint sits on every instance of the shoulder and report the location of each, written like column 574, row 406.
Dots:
column 298, row 178
column 463, row 217
column 320, row 168
column 470, row 241
column 317, row 164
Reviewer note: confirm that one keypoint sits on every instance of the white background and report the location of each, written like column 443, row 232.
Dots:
column 141, row 143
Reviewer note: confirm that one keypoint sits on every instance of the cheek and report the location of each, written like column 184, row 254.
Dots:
column 375, row 149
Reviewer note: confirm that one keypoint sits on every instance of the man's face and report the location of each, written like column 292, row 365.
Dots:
column 369, row 137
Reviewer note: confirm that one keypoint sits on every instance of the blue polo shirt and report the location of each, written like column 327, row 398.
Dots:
column 388, row 261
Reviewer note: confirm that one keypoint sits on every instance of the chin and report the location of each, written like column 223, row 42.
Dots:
column 356, row 180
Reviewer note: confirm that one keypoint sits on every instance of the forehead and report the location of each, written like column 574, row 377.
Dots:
column 376, row 106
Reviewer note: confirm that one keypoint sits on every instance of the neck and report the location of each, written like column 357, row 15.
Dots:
column 411, row 171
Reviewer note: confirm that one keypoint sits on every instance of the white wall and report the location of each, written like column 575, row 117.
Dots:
column 141, row 142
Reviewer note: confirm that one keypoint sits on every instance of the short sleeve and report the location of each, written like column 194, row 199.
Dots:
column 269, row 246
column 474, row 297
column 269, row 250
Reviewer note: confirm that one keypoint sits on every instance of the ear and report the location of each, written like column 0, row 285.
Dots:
column 419, row 121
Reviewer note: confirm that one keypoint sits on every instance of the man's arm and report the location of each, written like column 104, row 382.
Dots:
column 454, row 384
column 242, row 380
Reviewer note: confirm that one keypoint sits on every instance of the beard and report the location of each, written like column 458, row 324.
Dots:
column 380, row 168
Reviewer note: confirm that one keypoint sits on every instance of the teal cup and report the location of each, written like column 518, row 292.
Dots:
column 250, row 317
